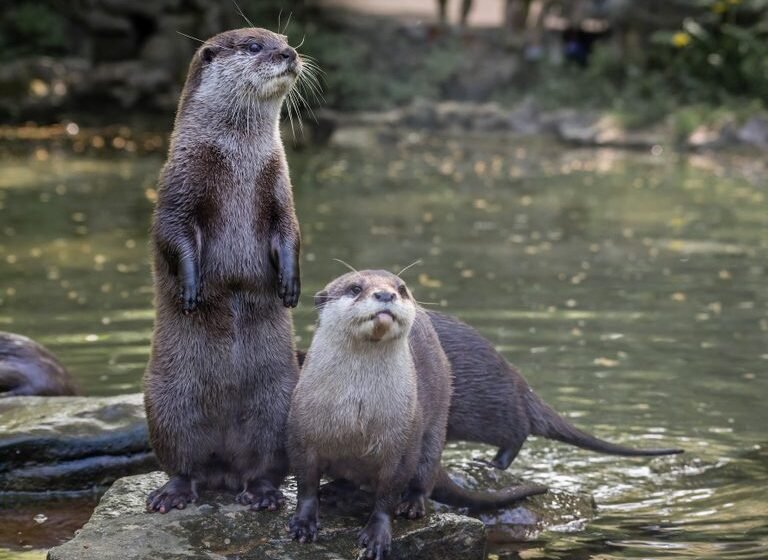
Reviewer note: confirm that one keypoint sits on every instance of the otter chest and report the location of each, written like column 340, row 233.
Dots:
column 236, row 246
column 363, row 409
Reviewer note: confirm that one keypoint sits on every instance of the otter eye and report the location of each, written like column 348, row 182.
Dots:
column 254, row 47
column 354, row 289
column 402, row 290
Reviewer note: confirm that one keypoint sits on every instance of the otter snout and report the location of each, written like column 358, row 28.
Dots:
column 372, row 305
column 285, row 54
column 384, row 296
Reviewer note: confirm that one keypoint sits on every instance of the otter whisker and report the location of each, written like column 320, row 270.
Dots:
column 414, row 263
column 297, row 47
column 242, row 14
column 290, row 108
column 309, row 82
column 304, row 102
column 427, row 302
column 311, row 63
column 287, row 23
column 190, row 37
column 349, row 266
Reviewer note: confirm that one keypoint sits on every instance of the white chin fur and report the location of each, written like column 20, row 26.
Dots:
column 358, row 317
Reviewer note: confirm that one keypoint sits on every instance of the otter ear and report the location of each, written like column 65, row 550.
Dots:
column 321, row 298
column 208, row 53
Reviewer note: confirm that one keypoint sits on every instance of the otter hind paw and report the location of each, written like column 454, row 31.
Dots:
column 303, row 529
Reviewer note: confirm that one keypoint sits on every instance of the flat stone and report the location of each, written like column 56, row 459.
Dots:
column 217, row 528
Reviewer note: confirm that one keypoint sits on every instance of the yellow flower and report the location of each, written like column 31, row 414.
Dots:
column 681, row 39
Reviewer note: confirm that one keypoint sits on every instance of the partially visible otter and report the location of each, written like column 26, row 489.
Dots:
column 28, row 368
column 492, row 403
column 371, row 407
column 226, row 266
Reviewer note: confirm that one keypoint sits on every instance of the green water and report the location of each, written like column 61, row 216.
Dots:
column 630, row 289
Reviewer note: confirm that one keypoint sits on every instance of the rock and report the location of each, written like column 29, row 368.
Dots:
column 71, row 443
column 605, row 130
column 217, row 528
column 754, row 132
column 525, row 118
column 80, row 445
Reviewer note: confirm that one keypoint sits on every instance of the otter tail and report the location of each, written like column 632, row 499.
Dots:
column 447, row 492
column 546, row 422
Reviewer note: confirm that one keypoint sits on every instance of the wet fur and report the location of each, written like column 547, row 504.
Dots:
column 28, row 368
column 492, row 403
column 225, row 242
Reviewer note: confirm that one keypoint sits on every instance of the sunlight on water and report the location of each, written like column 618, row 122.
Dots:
column 630, row 289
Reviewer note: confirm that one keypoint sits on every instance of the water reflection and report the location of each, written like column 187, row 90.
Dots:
column 628, row 287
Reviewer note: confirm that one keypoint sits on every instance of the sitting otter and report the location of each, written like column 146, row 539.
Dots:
column 371, row 406
column 27, row 368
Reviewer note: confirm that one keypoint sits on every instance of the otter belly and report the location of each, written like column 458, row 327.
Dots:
column 346, row 418
column 216, row 402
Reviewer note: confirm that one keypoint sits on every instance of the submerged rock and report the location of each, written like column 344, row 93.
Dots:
column 65, row 444
column 218, row 528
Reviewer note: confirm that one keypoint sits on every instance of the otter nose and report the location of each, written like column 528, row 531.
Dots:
column 384, row 297
column 288, row 53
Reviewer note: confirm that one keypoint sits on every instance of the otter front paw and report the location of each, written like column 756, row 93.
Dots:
column 289, row 286
column 190, row 296
column 303, row 529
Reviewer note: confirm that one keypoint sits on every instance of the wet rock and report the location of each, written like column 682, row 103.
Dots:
column 66, row 444
column 216, row 527
column 528, row 519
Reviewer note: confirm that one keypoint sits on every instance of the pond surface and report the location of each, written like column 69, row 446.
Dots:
column 630, row 289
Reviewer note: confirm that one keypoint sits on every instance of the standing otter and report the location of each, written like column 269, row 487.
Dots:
column 226, row 252
column 27, row 368
column 371, row 406
column 492, row 403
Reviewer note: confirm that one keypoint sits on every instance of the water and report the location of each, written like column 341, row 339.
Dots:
column 630, row 289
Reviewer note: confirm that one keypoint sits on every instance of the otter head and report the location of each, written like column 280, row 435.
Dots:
column 244, row 64
column 370, row 305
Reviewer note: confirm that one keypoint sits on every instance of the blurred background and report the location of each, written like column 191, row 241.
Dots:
column 582, row 180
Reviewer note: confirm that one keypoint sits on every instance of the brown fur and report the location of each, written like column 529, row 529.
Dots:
column 371, row 406
column 27, row 368
column 226, row 243
column 494, row 404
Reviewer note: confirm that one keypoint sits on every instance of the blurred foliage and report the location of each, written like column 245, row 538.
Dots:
column 720, row 53
column 31, row 28
column 712, row 68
